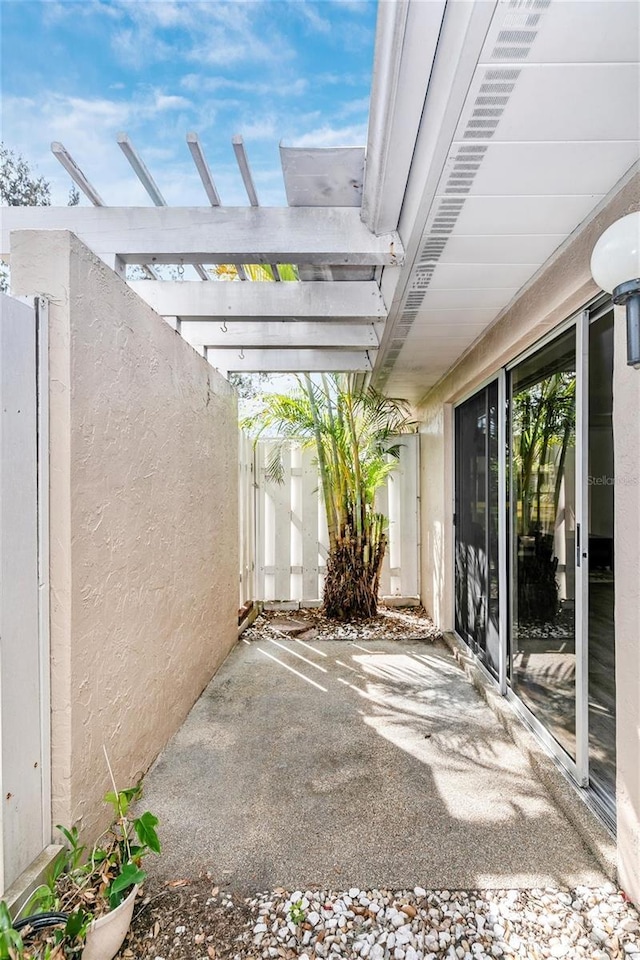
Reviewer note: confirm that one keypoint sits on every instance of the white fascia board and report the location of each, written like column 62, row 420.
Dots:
column 306, row 300
column 314, row 235
column 462, row 37
column 407, row 34
column 280, row 335
column 290, row 361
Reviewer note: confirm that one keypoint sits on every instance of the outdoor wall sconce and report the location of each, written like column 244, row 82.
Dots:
column 615, row 266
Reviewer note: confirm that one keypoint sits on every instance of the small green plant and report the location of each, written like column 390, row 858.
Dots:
column 81, row 887
column 106, row 877
column 11, row 945
column 46, row 937
column 297, row 913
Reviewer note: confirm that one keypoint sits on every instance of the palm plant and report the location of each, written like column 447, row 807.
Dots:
column 354, row 431
column 544, row 431
column 254, row 271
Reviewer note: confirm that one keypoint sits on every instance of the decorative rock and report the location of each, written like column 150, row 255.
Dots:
column 579, row 924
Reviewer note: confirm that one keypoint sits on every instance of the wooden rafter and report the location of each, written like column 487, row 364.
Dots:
column 313, row 235
column 289, row 361
column 190, row 300
column 281, row 334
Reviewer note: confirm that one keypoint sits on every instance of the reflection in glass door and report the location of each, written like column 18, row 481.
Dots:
column 543, row 532
column 476, row 525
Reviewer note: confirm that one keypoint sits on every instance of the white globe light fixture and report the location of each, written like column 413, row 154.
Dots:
column 615, row 266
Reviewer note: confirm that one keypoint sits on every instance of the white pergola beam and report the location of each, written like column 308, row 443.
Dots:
column 140, row 169
column 64, row 157
column 245, row 170
column 144, row 176
column 290, row 361
column 195, row 147
column 283, row 334
column 304, row 300
column 247, row 178
column 311, row 235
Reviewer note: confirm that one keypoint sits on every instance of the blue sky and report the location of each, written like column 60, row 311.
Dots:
column 80, row 71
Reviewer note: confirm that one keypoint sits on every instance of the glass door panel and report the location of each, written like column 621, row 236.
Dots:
column 600, row 488
column 543, row 525
column 476, row 530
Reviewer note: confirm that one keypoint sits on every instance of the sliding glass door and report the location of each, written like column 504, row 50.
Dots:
column 476, row 525
column 534, row 551
column 543, row 545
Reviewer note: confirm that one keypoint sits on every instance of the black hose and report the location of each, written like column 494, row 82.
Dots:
column 40, row 921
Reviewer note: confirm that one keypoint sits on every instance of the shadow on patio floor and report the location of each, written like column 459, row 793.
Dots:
column 372, row 764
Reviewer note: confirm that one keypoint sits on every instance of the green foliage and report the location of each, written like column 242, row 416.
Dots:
column 255, row 271
column 297, row 913
column 11, row 945
column 87, row 886
column 248, row 385
column 543, row 431
column 18, row 186
column 353, row 430
column 59, row 939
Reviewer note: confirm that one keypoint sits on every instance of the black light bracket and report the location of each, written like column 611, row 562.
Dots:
column 628, row 295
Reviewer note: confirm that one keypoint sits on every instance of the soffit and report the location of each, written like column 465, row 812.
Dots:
column 549, row 124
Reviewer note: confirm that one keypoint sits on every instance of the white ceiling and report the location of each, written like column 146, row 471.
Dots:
column 549, row 123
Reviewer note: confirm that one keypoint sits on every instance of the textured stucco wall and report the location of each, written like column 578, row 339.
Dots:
column 626, row 432
column 144, row 541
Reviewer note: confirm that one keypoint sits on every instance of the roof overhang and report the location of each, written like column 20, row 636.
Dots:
column 496, row 129
column 530, row 120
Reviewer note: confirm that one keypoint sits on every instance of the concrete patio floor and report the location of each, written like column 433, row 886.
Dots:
column 334, row 764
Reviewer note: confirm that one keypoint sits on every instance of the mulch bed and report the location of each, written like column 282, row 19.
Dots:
column 186, row 919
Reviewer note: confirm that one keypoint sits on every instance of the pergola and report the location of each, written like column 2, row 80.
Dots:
column 495, row 130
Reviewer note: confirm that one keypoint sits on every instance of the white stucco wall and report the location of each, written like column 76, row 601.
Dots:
column 144, row 544
column 560, row 291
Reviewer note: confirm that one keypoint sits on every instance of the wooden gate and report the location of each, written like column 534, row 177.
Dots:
column 291, row 541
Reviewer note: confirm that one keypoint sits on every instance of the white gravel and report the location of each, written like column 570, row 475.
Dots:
column 311, row 624
column 595, row 923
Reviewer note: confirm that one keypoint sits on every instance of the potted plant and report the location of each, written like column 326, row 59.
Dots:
column 85, row 908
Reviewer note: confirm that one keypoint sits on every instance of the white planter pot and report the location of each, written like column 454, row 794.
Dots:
column 106, row 934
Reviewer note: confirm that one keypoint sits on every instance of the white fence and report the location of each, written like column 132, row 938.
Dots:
column 283, row 526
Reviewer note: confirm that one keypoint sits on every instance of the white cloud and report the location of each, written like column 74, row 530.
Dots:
column 222, row 32
column 361, row 105
column 88, row 127
column 326, row 136
column 308, row 12
column 204, row 83
column 264, row 128
column 170, row 102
